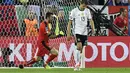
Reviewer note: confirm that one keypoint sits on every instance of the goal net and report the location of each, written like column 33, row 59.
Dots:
column 18, row 45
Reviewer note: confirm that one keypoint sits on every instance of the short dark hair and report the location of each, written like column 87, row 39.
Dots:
column 122, row 10
column 48, row 14
column 84, row 2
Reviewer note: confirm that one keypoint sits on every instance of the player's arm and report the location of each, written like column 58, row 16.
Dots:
column 92, row 25
column 71, row 17
column 52, row 36
column 91, row 21
column 69, row 28
column 45, row 45
column 113, row 2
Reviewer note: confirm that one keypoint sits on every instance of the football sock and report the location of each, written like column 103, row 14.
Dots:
column 33, row 60
column 50, row 58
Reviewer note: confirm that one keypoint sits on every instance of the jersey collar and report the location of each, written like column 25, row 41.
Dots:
column 80, row 9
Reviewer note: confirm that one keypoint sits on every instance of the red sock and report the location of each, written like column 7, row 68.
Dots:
column 33, row 60
column 50, row 58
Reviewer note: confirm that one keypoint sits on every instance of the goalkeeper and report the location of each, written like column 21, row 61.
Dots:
column 43, row 44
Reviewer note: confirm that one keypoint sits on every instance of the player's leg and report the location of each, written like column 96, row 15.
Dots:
column 81, row 40
column 78, row 54
column 30, row 62
column 40, row 53
column 53, row 54
column 84, row 44
column 33, row 60
column 78, row 51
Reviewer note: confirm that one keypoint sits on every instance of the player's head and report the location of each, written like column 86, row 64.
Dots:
column 123, row 12
column 49, row 16
column 31, row 14
column 128, row 1
column 83, row 4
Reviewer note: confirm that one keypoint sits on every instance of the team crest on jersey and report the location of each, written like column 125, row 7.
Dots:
column 82, row 14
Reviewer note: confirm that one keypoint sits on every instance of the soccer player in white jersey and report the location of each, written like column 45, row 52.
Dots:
column 79, row 16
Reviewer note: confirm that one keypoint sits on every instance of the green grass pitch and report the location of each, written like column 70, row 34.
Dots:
column 65, row 70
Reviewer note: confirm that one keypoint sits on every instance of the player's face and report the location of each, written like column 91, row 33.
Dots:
column 125, row 13
column 129, row 1
column 83, row 6
column 31, row 15
column 50, row 18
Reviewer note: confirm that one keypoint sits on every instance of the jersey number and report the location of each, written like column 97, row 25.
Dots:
column 83, row 18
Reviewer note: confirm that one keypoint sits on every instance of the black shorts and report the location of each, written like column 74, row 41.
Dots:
column 81, row 38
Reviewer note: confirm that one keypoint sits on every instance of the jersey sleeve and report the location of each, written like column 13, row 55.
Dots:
column 71, row 15
column 115, row 21
column 42, row 28
column 89, row 14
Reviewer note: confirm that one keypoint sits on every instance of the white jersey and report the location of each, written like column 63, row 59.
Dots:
column 80, row 19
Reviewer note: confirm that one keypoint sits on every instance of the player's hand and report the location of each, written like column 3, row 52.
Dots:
column 52, row 36
column 93, row 32
column 68, row 38
column 48, row 33
column 125, row 28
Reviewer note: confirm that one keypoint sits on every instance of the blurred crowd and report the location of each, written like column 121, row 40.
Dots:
column 119, row 2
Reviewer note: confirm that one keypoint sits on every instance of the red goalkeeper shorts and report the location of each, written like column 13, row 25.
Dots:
column 42, row 50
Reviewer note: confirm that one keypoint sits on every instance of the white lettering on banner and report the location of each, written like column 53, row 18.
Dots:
column 104, row 50
column 16, row 52
column 29, row 51
column 112, row 51
column 95, row 52
column 125, row 54
column 67, row 53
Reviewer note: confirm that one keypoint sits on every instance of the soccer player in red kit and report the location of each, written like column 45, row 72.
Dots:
column 43, row 44
column 121, row 20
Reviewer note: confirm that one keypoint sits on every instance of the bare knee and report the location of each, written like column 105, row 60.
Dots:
column 37, row 58
column 79, row 46
column 54, row 51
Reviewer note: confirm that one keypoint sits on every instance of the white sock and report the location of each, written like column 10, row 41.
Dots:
column 78, row 57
